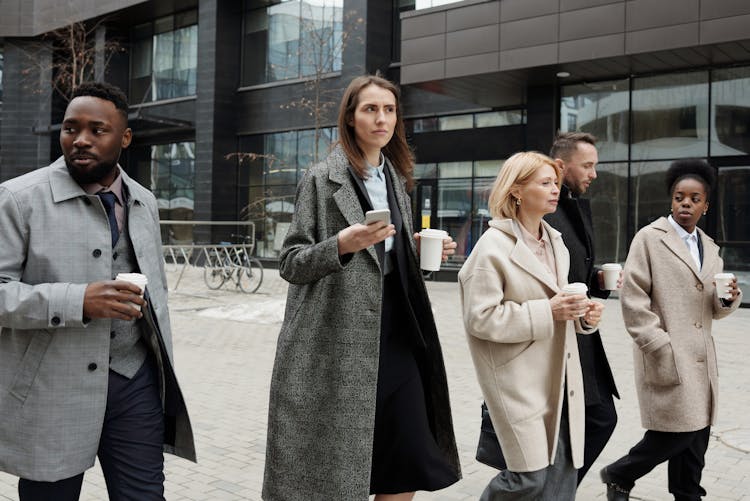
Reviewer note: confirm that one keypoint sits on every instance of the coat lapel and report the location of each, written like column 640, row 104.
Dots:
column 403, row 201
column 675, row 244
column 346, row 197
column 522, row 256
column 710, row 257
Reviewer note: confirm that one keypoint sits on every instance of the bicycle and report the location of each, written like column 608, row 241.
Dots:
column 233, row 262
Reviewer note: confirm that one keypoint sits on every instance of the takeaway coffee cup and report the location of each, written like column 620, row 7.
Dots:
column 431, row 248
column 723, row 283
column 575, row 289
column 611, row 275
column 137, row 279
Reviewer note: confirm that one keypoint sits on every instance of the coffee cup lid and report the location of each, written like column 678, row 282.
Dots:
column 576, row 288
column 611, row 266
column 724, row 275
column 429, row 232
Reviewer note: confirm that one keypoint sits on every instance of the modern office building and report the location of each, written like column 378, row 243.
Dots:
column 232, row 100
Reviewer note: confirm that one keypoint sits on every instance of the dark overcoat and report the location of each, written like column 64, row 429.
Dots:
column 573, row 219
column 323, row 388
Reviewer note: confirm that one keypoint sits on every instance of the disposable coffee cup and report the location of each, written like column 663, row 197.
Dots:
column 431, row 248
column 611, row 275
column 575, row 289
column 134, row 278
column 723, row 285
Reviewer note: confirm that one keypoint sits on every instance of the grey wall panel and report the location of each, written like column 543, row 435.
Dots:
column 422, row 72
column 473, row 16
column 422, row 25
column 592, row 48
column 472, row 41
column 591, row 22
column 712, row 9
column 725, row 30
column 681, row 35
column 644, row 14
column 539, row 55
column 510, row 10
column 472, row 65
column 582, row 4
column 421, row 50
column 528, row 32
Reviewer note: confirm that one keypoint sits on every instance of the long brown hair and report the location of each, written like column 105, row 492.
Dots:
column 397, row 150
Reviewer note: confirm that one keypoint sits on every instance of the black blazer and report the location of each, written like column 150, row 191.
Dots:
column 573, row 220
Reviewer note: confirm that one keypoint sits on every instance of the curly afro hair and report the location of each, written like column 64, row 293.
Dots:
column 692, row 168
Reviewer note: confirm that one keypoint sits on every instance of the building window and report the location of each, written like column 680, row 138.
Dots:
column 291, row 39
column 173, row 185
column 730, row 112
column 273, row 166
column 1, row 74
column 164, row 58
column 465, row 121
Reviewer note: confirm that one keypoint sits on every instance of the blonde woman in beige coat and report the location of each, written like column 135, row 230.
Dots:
column 668, row 302
column 521, row 335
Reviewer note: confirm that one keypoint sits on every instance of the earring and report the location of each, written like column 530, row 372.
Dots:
column 705, row 212
column 518, row 201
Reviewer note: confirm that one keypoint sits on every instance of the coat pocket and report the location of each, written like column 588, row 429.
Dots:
column 660, row 368
column 30, row 363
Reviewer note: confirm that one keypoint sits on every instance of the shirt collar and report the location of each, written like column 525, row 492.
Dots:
column 115, row 187
column 681, row 231
column 529, row 238
column 377, row 171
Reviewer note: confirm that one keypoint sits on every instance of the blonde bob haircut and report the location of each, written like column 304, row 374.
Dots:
column 515, row 173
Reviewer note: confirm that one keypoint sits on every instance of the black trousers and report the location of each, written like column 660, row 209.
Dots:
column 601, row 419
column 686, row 455
column 130, row 448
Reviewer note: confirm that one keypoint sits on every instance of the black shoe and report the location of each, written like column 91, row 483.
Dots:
column 614, row 491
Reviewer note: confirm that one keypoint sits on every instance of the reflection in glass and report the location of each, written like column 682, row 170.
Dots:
column 609, row 205
column 454, row 213
column 481, row 212
column 733, row 205
column 600, row 109
column 456, row 122
column 499, row 118
column 670, row 116
column 650, row 197
column 730, row 111
column 1, row 73
column 280, row 162
column 487, row 168
column 455, row 169
column 173, row 185
column 422, row 171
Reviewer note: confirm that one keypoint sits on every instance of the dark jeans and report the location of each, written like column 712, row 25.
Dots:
column 686, row 455
column 130, row 447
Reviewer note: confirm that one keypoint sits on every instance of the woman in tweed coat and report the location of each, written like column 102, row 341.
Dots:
column 359, row 400
column 668, row 301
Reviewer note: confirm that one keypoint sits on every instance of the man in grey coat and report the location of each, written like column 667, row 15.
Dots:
column 86, row 360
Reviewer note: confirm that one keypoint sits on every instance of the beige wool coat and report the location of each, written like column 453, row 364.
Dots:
column 523, row 358
column 668, row 306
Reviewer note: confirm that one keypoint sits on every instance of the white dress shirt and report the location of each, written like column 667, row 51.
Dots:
column 690, row 239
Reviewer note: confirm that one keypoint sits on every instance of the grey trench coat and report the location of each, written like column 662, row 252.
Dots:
column 54, row 363
column 322, row 401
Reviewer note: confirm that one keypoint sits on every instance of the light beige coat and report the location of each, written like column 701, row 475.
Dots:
column 668, row 306
column 521, row 355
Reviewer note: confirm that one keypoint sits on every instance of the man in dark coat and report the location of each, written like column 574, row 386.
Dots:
column 575, row 153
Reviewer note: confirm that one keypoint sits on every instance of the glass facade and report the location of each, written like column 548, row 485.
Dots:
column 164, row 58
column 1, row 74
column 291, row 39
column 172, row 181
column 465, row 121
column 271, row 167
column 643, row 124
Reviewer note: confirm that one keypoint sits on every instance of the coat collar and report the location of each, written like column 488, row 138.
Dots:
column 64, row 187
column 526, row 260
column 677, row 246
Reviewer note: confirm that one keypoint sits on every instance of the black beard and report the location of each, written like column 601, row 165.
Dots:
column 90, row 176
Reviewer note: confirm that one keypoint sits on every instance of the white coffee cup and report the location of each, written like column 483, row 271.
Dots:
column 134, row 278
column 431, row 248
column 723, row 285
column 611, row 275
column 575, row 289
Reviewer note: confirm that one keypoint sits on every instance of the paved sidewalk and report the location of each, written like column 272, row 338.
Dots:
column 224, row 344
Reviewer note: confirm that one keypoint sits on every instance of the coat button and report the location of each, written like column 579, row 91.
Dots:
column 568, row 355
column 698, row 325
column 92, row 366
column 572, row 392
column 55, row 320
column 96, row 253
column 700, row 360
column 112, row 334
column 699, row 286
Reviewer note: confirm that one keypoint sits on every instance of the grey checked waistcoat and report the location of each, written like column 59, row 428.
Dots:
column 127, row 350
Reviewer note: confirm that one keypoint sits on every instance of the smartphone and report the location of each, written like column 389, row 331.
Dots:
column 373, row 216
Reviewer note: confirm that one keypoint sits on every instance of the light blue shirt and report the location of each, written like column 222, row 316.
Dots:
column 690, row 239
column 378, row 192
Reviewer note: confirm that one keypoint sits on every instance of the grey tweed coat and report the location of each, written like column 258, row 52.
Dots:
column 53, row 362
column 322, row 402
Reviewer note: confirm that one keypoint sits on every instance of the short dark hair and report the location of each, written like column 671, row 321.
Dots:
column 106, row 91
column 690, row 168
column 566, row 143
